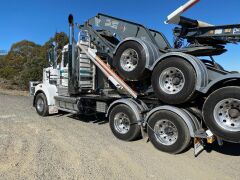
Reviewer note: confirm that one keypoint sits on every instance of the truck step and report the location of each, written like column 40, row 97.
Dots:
column 85, row 65
column 85, row 83
column 68, row 110
column 83, row 60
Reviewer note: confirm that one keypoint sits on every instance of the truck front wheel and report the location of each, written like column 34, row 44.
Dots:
column 123, row 123
column 168, row 132
column 41, row 104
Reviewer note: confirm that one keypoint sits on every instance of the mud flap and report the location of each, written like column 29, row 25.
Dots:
column 53, row 110
column 198, row 146
column 199, row 142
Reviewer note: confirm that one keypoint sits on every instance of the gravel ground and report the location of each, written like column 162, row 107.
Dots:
column 67, row 147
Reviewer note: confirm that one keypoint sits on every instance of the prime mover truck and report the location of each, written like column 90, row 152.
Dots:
column 144, row 87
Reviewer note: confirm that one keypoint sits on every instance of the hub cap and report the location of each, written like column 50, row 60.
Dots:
column 121, row 123
column 227, row 114
column 166, row 132
column 129, row 60
column 40, row 105
column 171, row 80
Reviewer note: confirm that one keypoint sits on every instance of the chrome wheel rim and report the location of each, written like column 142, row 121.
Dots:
column 121, row 123
column 227, row 114
column 40, row 104
column 172, row 80
column 165, row 132
column 129, row 60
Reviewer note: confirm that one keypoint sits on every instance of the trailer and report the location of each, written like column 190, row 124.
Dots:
column 144, row 86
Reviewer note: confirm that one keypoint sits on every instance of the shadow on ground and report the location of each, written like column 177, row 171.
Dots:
column 91, row 118
column 230, row 149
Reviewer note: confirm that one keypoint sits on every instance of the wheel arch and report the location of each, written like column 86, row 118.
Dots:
column 198, row 65
column 137, row 108
column 48, row 90
column 191, row 121
column 152, row 52
column 222, row 81
column 36, row 93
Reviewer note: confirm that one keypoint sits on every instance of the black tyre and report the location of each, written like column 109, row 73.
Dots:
column 123, row 123
column 168, row 132
column 174, row 81
column 221, row 112
column 130, row 61
column 41, row 104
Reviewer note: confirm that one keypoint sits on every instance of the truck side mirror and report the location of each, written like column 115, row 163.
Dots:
column 50, row 57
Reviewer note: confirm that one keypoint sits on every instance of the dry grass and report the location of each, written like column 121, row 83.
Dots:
column 14, row 92
column 6, row 87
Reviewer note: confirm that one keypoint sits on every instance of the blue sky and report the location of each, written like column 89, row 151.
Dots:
column 38, row 20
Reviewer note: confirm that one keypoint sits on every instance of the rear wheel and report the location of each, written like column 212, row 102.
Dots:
column 168, row 132
column 221, row 112
column 130, row 61
column 123, row 123
column 174, row 80
column 41, row 104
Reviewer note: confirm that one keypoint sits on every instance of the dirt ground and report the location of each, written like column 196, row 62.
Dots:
column 67, row 147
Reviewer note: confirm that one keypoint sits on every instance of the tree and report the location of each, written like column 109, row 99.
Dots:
column 1, row 61
column 61, row 39
column 26, row 60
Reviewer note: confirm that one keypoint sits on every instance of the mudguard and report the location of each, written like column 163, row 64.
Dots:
column 198, row 65
column 49, row 90
column 191, row 121
column 137, row 107
column 152, row 52
column 221, row 78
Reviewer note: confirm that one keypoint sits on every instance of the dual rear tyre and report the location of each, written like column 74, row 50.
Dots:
column 173, row 79
column 166, row 130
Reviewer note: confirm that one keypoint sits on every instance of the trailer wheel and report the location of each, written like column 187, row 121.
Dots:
column 41, row 104
column 123, row 123
column 221, row 112
column 174, row 80
column 168, row 132
column 130, row 61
